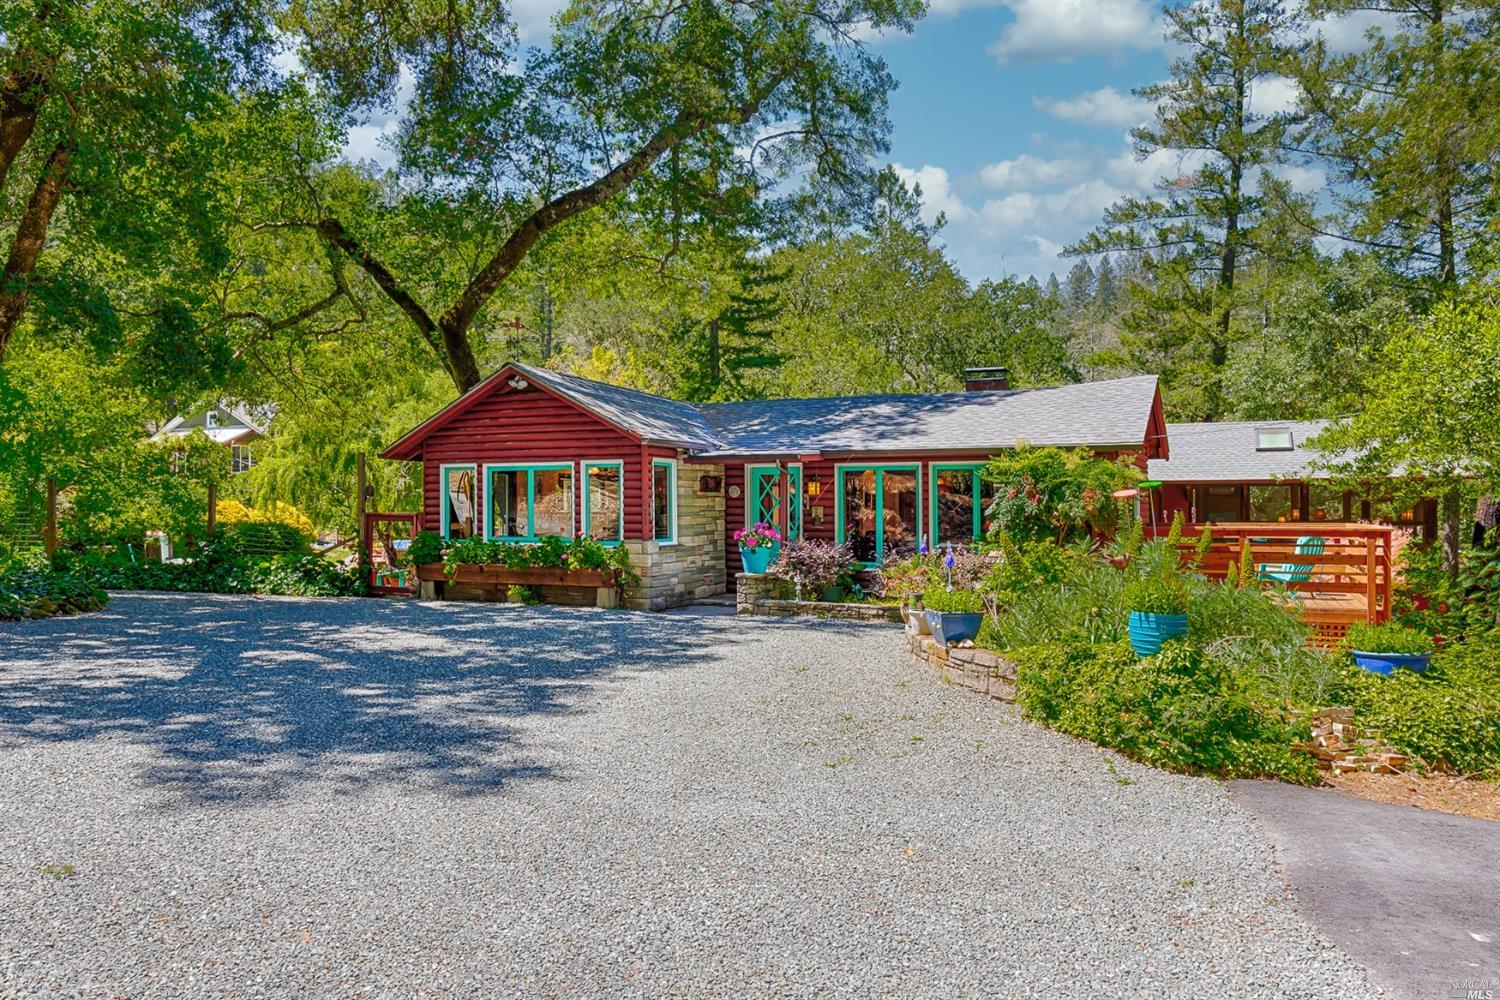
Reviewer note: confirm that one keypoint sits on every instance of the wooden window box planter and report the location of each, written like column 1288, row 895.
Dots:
column 599, row 587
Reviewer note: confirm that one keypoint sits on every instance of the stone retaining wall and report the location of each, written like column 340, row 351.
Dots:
column 753, row 595
column 965, row 665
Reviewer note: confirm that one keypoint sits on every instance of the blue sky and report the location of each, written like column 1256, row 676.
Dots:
column 1013, row 116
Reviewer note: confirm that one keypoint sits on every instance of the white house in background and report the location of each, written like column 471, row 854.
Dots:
column 235, row 426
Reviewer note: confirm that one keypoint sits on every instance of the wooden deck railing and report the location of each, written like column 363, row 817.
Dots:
column 1349, row 581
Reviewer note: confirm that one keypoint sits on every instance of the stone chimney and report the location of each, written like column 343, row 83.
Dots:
column 985, row 380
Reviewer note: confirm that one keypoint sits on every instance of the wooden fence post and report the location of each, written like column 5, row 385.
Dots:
column 360, row 478
column 213, row 507
column 49, row 537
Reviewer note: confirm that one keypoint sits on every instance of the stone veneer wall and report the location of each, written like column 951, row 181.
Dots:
column 673, row 575
column 979, row 670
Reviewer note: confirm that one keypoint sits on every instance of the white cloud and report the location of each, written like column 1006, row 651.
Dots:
column 1027, row 171
column 1139, row 175
column 533, row 19
column 1347, row 33
column 1105, row 106
column 937, row 192
column 1063, row 30
column 1275, row 95
column 1307, row 180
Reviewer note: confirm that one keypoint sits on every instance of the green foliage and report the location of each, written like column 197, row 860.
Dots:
column 813, row 566
column 218, row 567
column 517, row 594
column 1158, row 595
column 550, row 552
column 263, row 538
column 1181, row 709
column 906, row 579
column 29, row 588
column 1050, row 493
column 1443, row 606
column 1030, row 566
column 425, row 548
column 1387, row 637
column 1448, row 715
column 957, row 601
column 1204, row 545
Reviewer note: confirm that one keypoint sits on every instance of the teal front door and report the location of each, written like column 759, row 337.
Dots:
column 775, row 497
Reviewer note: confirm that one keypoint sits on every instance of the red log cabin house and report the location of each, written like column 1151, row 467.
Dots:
column 531, row 452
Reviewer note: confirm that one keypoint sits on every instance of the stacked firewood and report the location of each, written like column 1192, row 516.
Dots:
column 1340, row 746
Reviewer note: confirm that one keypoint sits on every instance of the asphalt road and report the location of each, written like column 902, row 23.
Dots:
column 1413, row 895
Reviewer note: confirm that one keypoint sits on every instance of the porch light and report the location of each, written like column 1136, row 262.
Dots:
column 814, row 488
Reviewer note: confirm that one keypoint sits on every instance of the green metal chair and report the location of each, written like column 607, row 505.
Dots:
column 1297, row 572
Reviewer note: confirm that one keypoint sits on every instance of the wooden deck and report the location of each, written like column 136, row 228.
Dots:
column 1349, row 581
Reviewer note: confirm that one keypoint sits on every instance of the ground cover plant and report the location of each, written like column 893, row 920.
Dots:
column 30, row 588
column 221, row 565
column 1226, row 698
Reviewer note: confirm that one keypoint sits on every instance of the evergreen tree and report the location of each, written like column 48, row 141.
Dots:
column 1080, row 289
column 1203, row 222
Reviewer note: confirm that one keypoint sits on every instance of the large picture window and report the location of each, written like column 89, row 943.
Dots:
column 960, row 498
column 879, row 510
column 459, row 507
column 527, row 502
column 664, row 500
column 604, row 501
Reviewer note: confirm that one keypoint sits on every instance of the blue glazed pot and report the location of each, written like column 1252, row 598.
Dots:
column 1386, row 663
column 1148, row 631
column 951, row 626
column 758, row 559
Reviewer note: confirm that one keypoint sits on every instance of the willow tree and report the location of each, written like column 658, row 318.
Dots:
column 678, row 107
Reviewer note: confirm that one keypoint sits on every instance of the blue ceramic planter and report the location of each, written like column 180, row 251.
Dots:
column 1385, row 663
column 1148, row 631
column 758, row 559
column 949, row 626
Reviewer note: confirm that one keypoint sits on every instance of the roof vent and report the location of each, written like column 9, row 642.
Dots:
column 1274, row 439
column 986, row 380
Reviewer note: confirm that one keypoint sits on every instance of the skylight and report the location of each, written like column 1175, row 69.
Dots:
column 1273, row 439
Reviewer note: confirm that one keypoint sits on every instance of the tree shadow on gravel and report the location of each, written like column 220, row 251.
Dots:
column 242, row 698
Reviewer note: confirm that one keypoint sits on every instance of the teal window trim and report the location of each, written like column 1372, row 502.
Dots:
column 880, row 470
column 670, row 464
column 444, row 471
column 583, row 485
column 932, row 489
column 793, row 493
column 531, row 470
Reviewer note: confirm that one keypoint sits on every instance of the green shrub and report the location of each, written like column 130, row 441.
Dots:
column 1181, row 709
column 217, row 568
column 425, row 548
column 1158, row 595
column 517, row 594
column 1388, row 637
column 549, row 553
column 959, row 601
column 1448, row 715
column 1051, row 493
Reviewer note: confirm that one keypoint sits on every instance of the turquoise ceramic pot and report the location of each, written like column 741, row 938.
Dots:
column 1148, row 631
column 758, row 559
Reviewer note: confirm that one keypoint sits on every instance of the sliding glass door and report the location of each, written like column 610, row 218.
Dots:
column 879, row 510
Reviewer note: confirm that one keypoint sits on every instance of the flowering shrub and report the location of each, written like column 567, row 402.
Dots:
column 813, row 566
column 1051, row 493
column 758, row 535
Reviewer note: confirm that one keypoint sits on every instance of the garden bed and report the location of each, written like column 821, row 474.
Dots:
column 490, row 582
column 755, row 594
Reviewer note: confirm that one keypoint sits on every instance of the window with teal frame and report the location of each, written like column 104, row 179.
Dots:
column 526, row 502
column 459, row 518
column 664, row 500
column 959, row 496
column 604, row 501
column 878, row 509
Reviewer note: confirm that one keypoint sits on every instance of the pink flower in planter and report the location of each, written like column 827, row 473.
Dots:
column 757, row 535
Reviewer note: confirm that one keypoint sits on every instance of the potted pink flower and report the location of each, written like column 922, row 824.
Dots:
column 759, row 544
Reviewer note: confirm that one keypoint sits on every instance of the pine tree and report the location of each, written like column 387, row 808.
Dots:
column 741, row 338
column 1202, row 224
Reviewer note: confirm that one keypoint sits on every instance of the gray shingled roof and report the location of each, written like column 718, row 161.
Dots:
column 1089, row 413
column 1225, row 452
column 1100, row 414
column 654, row 418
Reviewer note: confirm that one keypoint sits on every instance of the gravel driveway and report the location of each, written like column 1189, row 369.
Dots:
column 210, row 796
